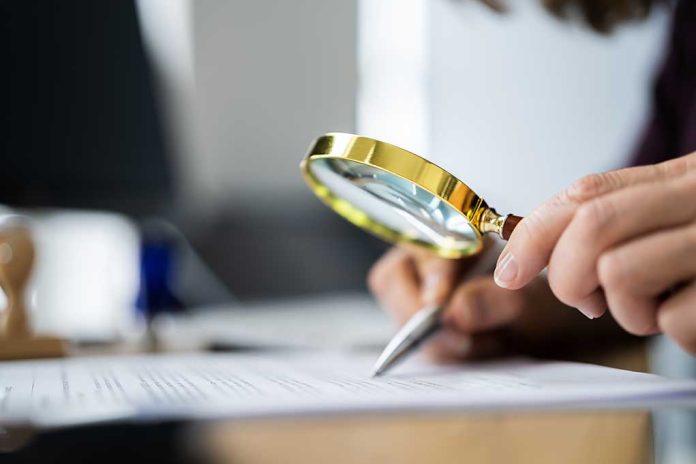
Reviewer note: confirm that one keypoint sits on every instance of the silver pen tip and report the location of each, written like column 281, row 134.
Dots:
column 416, row 329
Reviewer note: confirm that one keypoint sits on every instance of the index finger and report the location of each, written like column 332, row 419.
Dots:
column 530, row 246
column 438, row 276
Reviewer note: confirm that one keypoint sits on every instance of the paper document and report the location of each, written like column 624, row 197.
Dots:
column 351, row 320
column 196, row 386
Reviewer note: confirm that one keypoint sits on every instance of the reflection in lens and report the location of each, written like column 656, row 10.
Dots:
column 396, row 203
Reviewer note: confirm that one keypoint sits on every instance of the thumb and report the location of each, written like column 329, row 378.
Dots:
column 530, row 246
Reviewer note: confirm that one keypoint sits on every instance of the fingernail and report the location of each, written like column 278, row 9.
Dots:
column 585, row 312
column 506, row 270
column 431, row 288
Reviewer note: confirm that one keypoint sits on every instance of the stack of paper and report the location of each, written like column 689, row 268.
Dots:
column 196, row 386
column 351, row 320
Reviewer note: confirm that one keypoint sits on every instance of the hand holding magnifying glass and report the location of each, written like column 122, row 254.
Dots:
column 404, row 199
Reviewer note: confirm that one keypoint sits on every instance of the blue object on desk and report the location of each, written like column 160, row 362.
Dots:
column 157, row 263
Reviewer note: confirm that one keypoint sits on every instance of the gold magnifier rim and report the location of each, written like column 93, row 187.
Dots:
column 410, row 167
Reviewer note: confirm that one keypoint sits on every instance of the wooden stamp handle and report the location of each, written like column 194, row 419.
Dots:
column 16, row 261
column 509, row 225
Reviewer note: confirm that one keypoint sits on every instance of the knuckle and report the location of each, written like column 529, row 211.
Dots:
column 587, row 187
column 639, row 330
column 374, row 278
column 635, row 317
column 476, row 312
column 559, row 284
column 378, row 279
column 673, row 327
column 518, row 301
column 611, row 272
column 592, row 213
column 440, row 266
column 561, row 198
column 690, row 241
column 688, row 343
column 683, row 189
column 640, row 326
column 379, row 274
column 675, row 317
column 595, row 214
column 685, row 249
column 531, row 222
column 690, row 182
column 459, row 310
column 677, row 167
column 667, row 322
column 594, row 185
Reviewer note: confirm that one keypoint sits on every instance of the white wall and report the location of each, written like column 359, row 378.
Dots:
column 393, row 65
column 270, row 75
column 517, row 105
column 522, row 104
column 247, row 85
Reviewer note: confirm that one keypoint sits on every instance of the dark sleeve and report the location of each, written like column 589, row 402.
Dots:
column 671, row 130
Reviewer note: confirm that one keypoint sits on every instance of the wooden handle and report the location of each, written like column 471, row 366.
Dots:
column 16, row 261
column 509, row 225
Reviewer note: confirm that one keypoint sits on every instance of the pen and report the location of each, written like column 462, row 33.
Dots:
column 426, row 320
column 416, row 330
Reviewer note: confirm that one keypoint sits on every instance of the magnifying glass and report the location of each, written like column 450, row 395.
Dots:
column 402, row 198
column 399, row 196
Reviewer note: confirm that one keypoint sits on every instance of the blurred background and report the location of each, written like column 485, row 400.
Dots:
column 170, row 132
column 154, row 146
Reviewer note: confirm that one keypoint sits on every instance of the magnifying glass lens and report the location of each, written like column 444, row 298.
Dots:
column 397, row 204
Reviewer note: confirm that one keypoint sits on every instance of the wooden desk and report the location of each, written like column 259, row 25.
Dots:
column 535, row 437
column 538, row 438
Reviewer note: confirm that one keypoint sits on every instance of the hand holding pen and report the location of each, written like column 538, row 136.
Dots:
column 406, row 281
